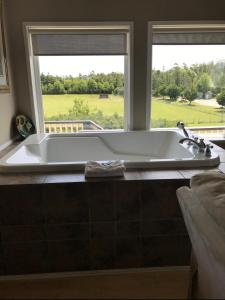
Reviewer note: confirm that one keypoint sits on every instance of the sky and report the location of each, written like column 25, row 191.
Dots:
column 73, row 65
column 164, row 57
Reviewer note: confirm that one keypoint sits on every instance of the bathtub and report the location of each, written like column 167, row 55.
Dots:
column 137, row 149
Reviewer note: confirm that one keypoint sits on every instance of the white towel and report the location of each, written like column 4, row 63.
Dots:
column 104, row 169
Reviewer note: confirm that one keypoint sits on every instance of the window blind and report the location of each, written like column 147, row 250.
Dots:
column 192, row 34
column 87, row 43
column 189, row 38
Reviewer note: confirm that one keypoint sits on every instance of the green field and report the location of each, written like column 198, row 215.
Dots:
column 60, row 104
column 192, row 115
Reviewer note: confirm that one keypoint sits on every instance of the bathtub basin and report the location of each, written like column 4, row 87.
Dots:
column 137, row 149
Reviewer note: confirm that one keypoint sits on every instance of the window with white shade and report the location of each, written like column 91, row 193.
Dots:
column 80, row 76
column 188, row 75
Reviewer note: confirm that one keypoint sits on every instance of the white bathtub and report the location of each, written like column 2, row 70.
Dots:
column 137, row 149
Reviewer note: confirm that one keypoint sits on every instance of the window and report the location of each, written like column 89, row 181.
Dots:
column 188, row 76
column 80, row 76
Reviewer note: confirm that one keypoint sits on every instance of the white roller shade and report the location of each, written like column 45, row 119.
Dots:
column 102, row 43
column 189, row 38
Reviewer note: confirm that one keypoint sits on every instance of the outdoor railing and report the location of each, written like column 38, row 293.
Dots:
column 70, row 126
column 209, row 131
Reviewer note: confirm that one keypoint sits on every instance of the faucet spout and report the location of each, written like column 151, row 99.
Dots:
column 201, row 145
column 190, row 140
column 180, row 125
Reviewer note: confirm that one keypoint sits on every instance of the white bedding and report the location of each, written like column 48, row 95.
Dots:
column 209, row 189
column 208, row 242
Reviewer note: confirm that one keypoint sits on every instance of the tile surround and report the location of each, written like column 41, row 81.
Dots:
column 65, row 204
column 67, row 255
column 102, row 253
column 63, row 222
column 24, row 258
column 86, row 226
column 21, row 205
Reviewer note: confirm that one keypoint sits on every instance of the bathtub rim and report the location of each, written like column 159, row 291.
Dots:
column 196, row 162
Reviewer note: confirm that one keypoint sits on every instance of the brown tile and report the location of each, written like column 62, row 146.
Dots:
column 70, row 255
column 64, row 178
column 77, row 231
column 163, row 227
column 66, row 203
column 25, row 258
column 103, row 229
column 18, row 179
column 102, row 253
column 104, row 179
column 14, row 234
column 101, row 201
column 21, row 205
column 160, row 251
column 156, row 174
column 132, row 175
column 128, row 252
column 158, row 199
column 127, row 229
column 127, row 195
column 2, row 260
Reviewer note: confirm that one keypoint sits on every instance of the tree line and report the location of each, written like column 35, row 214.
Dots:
column 197, row 81
column 112, row 83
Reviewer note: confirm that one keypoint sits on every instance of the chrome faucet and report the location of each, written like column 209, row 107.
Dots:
column 201, row 145
column 180, row 125
column 208, row 150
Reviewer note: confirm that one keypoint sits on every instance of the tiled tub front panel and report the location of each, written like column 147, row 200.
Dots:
column 96, row 225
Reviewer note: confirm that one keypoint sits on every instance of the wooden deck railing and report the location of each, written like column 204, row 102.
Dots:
column 70, row 126
column 209, row 131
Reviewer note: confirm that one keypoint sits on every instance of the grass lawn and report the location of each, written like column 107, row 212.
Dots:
column 60, row 104
column 192, row 115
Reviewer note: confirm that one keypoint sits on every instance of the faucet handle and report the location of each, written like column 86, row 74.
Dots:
column 180, row 125
column 195, row 138
column 209, row 146
column 201, row 142
column 208, row 150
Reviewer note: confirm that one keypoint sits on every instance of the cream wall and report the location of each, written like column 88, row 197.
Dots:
column 138, row 11
column 7, row 101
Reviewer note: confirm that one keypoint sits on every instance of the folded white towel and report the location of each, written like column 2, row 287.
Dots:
column 104, row 169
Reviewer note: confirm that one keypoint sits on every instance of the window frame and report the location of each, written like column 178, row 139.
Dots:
column 34, row 72
column 151, row 24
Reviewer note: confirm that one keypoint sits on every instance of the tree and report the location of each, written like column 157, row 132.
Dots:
column 80, row 110
column 119, row 91
column 203, row 84
column 190, row 95
column 162, row 90
column 58, row 88
column 92, row 86
column 173, row 92
column 221, row 98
